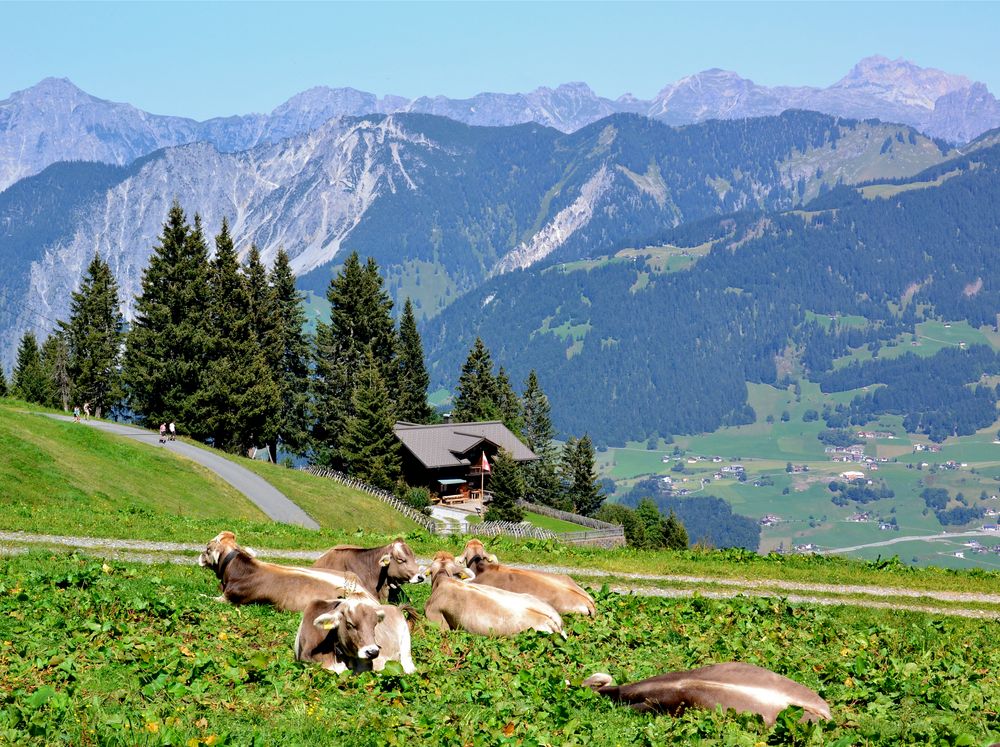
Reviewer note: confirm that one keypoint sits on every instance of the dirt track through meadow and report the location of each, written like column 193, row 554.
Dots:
column 669, row 586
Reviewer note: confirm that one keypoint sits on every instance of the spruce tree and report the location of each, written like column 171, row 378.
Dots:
column 291, row 370
column 476, row 398
column 29, row 381
column 508, row 403
column 507, row 486
column 369, row 449
column 239, row 398
column 261, row 304
column 3, row 384
column 55, row 363
column 94, row 337
column 615, row 513
column 413, row 377
column 580, row 476
column 674, row 535
column 540, row 475
column 167, row 346
column 649, row 518
column 360, row 322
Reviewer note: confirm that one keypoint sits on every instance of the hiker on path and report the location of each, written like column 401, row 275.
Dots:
column 173, row 431
column 163, row 433
column 86, row 410
column 76, row 413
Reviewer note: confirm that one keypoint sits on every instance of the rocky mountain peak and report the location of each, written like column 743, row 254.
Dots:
column 901, row 81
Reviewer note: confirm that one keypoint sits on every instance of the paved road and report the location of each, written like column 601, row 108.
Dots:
column 264, row 495
column 925, row 537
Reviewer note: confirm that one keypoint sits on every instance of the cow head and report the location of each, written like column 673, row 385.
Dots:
column 217, row 549
column 400, row 564
column 444, row 565
column 353, row 620
column 474, row 550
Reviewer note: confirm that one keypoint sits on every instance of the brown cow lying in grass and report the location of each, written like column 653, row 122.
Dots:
column 744, row 688
column 246, row 580
column 382, row 570
column 455, row 605
column 559, row 590
column 355, row 633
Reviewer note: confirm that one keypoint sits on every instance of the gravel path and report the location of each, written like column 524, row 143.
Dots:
column 873, row 597
column 264, row 495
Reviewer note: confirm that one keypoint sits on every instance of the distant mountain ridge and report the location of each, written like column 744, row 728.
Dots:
column 440, row 205
column 56, row 121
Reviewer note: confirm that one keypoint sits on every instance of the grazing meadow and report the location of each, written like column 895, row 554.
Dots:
column 103, row 652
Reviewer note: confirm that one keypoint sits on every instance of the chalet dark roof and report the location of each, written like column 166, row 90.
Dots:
column 459, row 444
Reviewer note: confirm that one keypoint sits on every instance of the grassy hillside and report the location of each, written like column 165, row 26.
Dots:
column 65, row 478
column 114, row 653
column 52, row 467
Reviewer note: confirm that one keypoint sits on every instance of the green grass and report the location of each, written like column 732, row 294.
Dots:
column 555, row 525
column 931, row 338
column 75, row 476
column 59, row 477
column 891, row 190
column 332, row 505
column 114, row 653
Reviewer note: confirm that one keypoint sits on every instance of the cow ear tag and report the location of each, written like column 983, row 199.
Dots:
column 326, row 622
column 386, row 559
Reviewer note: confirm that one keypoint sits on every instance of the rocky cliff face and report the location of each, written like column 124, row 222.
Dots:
column 56, row 121
column 438, row 204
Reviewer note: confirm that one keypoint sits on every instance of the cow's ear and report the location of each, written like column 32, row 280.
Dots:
column 331, row 618
column 251, row 552
column 385, row 560
column 462, row 560
column 380, row 614
column 492, row 559
column 466, row 574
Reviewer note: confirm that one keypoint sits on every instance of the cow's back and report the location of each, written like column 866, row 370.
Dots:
column 487, row 610
column 560, row 592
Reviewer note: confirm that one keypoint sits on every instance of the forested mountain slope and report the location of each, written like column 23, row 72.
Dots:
column 440, row 205
column 663, row 340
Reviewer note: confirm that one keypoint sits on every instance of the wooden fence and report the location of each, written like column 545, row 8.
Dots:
column 555, row 513
column 431, row 525
column 510, row 529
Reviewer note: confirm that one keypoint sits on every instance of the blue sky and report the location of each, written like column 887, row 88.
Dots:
column 213, row 59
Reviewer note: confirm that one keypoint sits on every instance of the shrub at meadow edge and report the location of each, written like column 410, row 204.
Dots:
column 113, row 653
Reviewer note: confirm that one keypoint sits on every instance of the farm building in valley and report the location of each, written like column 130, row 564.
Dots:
column 453, row 460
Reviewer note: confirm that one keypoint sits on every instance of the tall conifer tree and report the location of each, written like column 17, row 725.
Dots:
column 3, row 384
column 508, row 403
column 94, row 337
column 239, row 398
column 477, row 397
column 368, row 448
column 360, row 322
column 508, row 487
column 167, row 345
column 413, row 377
column 292, row 365
column 541, row 475
column 29, row 381
column 580, row 475
column 55, row 363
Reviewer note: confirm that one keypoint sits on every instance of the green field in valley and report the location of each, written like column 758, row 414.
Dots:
column 802, row 501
